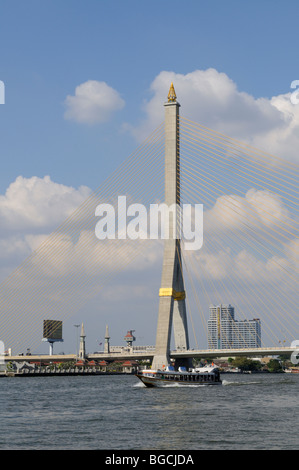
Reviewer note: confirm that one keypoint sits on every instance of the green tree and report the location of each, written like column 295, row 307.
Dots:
column 245, row 364
column 274, row 366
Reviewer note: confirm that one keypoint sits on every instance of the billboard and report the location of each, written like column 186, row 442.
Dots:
column 52, row 330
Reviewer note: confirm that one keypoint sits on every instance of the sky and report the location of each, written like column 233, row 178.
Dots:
column 84, row 86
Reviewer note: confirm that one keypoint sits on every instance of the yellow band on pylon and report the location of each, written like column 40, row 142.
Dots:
column 170, row 292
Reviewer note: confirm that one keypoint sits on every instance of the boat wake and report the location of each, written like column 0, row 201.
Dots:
column 172, row 385
column 139, row 385
column 237, row 384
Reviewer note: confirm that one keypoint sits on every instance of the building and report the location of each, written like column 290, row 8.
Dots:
column 225, row 332
column 129, row 338
column 220, row 326
column 247, row 333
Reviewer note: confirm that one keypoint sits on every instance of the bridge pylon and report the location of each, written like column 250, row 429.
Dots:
column 172, row 307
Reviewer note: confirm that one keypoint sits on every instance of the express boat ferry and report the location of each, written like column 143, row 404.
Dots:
column 207, row 375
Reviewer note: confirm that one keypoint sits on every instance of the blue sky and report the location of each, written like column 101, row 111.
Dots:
column 48, row 48
column 245, row 51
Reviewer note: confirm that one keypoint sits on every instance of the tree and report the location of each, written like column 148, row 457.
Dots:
column 243, row 363
column 285, row 361
column 274, row 366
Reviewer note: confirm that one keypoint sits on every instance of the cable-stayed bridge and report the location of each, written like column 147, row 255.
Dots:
column 249, row 256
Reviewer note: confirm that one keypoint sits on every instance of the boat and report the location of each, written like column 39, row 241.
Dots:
column 207, row 375
column 292, row 370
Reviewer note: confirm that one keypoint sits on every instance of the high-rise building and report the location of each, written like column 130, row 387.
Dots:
column 224, row 332
column 247, row 333
column 220, row 326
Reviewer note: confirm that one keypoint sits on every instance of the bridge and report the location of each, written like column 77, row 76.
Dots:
column 248, row 258
column 142, row 354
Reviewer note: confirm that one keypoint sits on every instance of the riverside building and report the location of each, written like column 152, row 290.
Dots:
column 225, row 332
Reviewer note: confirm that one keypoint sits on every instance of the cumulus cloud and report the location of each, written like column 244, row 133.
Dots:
column 37, row 203
column 93, row 102
column 257, row 209
column 242, row 265
column 30, row 209
column 245, row 239
column 212, row 99
column 282, row 140
column 82, row 253
column 33, row 207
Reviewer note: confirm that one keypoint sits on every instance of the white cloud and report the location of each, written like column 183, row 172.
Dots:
column 245, row 239
column 33, row 208
column 82, row 253
column 259, row 209
column 93, row 102
column 244, row 266
column 30, row 210
column 38, row 203
column 282, row 140
column 212, row 99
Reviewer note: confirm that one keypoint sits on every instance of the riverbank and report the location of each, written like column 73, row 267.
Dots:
column 58, row 373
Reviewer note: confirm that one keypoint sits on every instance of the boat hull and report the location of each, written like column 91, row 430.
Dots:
column 162, row 379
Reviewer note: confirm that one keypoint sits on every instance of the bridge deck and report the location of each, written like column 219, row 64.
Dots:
column 143, row 354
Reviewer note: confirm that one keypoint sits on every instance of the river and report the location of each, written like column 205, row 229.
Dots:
column 257, row 411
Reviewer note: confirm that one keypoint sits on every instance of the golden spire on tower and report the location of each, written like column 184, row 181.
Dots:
column 171, row 94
